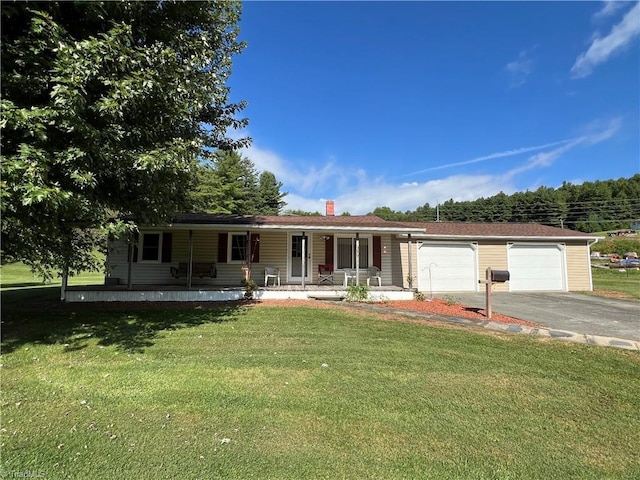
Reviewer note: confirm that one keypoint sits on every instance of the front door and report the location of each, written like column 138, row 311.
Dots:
column 295, row 258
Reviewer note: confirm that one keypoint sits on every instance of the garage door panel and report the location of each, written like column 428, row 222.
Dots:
column 536, row 268
column 447, row 267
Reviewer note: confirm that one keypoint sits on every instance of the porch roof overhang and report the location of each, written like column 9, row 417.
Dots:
column 328, row 224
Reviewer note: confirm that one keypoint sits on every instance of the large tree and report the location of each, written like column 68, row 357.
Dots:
column 107, row 109
column 270, row 197
column 230, row 184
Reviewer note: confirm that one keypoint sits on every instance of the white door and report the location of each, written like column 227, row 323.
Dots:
column 537, row 267
column 450, row 267
column 299, row 243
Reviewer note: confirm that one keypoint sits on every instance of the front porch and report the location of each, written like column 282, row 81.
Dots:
column 208, row 293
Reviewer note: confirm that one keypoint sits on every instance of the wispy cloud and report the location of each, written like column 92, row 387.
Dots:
column 492, row 156
column 595, row 132
column 622, row 34
column 609, row 9
column 520, row 69
column 356, row 191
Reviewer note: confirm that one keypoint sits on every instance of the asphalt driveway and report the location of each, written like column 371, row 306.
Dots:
column 573, row 312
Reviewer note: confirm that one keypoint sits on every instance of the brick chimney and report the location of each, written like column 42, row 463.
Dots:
column 330, row 208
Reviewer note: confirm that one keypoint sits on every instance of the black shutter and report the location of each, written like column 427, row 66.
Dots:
column 222, row 247
column 328, row 250
column 167, row 242
column 377, row 252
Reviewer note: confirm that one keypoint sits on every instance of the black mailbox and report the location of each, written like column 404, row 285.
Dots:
column 499, row 276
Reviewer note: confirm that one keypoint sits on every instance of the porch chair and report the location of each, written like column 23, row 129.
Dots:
column 271, row 272
column 325, row 274
column 374, row 272
column 349, row 273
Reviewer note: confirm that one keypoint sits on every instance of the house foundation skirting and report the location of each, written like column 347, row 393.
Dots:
column 222, row 295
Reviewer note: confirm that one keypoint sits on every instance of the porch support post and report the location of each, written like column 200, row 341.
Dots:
column 357, row 259
column 248, row 255
column 304, row 259
column 410, row 253
column 130, row 263
column 190, row 264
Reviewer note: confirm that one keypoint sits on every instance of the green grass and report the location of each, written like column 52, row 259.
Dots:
column 18, row 275
column 626, row 282
column 122, row 391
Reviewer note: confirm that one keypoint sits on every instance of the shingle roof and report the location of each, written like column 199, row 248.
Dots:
column 311, row 221
column 513, row 230
column 374, row 223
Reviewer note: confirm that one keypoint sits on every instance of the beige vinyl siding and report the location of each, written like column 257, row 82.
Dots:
column 492, row 254
column 273, row 253
column 386, row 256
column 117, row 255
column 578, row 267
column 400, row 259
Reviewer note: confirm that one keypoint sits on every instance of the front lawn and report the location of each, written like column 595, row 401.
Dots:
column 623, row 282
column 124, row 391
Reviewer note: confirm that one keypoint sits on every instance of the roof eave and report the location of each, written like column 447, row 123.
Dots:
column 320, row 228
column 503, row 237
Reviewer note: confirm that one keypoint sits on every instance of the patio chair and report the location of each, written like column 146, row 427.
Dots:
column 349, row 273
column 325, row 274
column 374, row 272
column 271, row 272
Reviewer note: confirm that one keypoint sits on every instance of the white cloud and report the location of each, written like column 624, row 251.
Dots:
column 492, row 156
column 404, row 197
column 621, row 35
column 609, row 9
column 520, row 69
column 355, row 191
column 596, row 132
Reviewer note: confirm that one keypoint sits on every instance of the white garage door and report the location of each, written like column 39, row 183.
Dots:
column 537, row 267
column 447, row 267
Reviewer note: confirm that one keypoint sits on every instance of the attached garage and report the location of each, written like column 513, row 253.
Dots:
column 537, row 267
column 447, row 267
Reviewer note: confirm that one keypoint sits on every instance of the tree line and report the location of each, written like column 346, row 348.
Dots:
column 589, row 207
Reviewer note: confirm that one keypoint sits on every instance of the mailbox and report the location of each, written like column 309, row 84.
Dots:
column 499, row 276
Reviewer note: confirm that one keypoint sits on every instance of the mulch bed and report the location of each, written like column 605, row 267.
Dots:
column 435, row 306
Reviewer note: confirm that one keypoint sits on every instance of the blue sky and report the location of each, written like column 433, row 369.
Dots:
column 404, row 103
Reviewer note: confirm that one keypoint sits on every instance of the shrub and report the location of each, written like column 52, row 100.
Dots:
column 357, row 293
column 450, row 300
column 249, row 287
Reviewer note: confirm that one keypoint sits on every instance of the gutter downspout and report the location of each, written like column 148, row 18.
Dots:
column 357, row 258
column 410, row 261
column 304, row 259
column 589, row 260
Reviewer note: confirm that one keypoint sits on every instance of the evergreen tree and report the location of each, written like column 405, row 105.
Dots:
column 269, row 201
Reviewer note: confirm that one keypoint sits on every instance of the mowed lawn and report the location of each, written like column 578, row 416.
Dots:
column 623, row 281
column 130, row 391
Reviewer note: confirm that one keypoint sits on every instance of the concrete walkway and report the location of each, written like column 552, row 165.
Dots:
column 600, row 340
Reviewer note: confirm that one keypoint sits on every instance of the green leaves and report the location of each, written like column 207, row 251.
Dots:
column 106, row 109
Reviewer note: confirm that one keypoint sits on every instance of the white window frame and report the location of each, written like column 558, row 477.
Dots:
column 230, row 245
column 141, row 247
column 369, row 239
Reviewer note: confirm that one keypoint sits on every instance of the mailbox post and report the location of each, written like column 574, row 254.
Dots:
column 493, row 276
